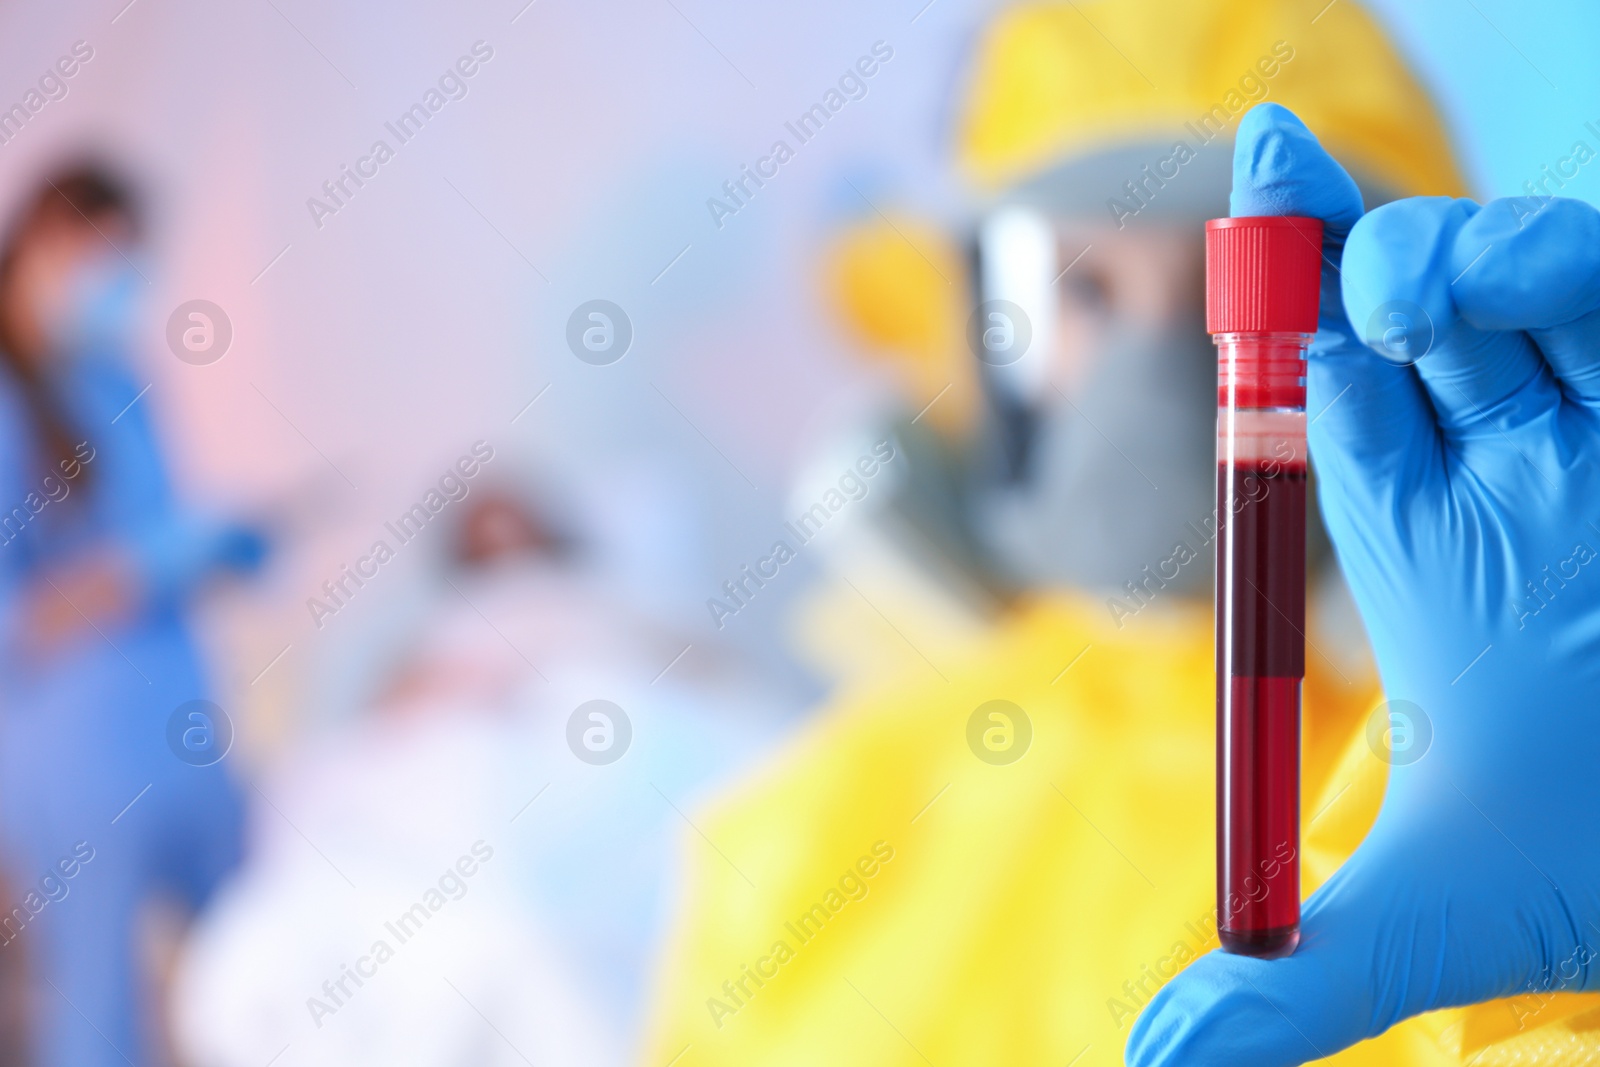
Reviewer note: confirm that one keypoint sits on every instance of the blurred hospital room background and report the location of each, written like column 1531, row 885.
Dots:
column 397, row 579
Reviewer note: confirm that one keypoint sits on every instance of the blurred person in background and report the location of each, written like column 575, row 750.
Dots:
column 107, row 813
column 540, row 722
column 908, row 892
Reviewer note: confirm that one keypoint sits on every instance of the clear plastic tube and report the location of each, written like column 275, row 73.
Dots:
column 1260, row 613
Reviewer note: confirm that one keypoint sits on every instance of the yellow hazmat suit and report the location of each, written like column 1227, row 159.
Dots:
column 928, row 876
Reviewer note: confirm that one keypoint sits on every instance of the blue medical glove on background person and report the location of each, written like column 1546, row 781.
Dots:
column 1459, row 461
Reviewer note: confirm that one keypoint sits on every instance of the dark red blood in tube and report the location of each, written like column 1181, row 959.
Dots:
column 1261, row 563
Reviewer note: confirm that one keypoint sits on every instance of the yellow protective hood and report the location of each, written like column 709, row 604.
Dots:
column 1055, row 81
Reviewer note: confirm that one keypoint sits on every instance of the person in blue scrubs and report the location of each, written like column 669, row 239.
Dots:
column 115, row 794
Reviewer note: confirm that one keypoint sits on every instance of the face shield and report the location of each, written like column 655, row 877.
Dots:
column 1090, row 334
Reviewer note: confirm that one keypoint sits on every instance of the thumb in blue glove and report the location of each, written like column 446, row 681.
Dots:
column 1454, row 386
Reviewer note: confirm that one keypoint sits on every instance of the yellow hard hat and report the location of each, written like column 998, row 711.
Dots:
column 1059, row 80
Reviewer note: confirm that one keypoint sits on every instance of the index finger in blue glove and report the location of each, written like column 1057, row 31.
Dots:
column 1371, row 425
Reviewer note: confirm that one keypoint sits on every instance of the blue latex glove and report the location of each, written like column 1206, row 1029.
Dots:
column 1447, row 485
column 241, row 548
column 178, row 552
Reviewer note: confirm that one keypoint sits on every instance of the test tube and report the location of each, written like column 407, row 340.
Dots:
column 1262, row 281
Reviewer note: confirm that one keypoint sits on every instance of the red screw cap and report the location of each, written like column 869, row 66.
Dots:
column 1263, row 274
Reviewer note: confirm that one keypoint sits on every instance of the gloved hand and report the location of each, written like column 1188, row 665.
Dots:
column 240, row 547
column 1459, row 464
